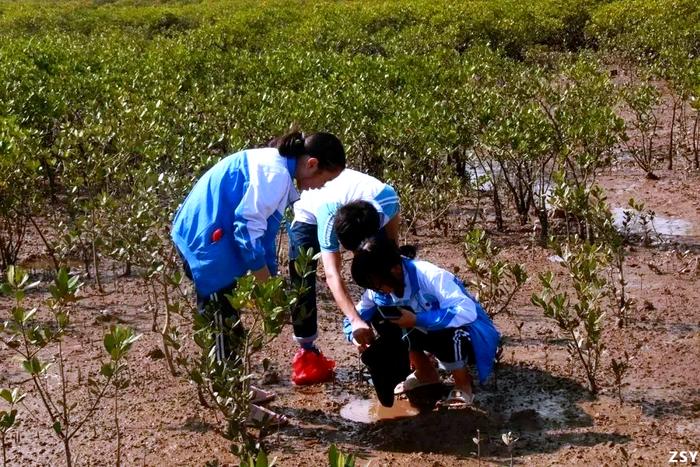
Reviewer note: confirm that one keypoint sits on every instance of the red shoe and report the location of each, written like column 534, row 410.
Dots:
column 309, row 366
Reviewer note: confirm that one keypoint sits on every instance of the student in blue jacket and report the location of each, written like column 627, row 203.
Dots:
column 446, row 321
column 228, row 223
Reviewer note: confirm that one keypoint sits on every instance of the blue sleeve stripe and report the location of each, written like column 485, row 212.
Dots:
column 388, row 201
column 390, row 210
column 387, row 192
column 327, row 239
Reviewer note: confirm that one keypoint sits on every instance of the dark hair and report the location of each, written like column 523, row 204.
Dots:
column 355, row 222
column 409, row 251
column 373, row 262
column 325, row 147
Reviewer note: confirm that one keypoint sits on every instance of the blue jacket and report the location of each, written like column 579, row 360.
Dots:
column 440, row 301
column 228, row 223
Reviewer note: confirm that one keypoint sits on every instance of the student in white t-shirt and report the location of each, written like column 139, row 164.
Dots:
column 313, row 227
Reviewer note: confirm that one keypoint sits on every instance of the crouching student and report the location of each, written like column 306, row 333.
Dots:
column 445, row 320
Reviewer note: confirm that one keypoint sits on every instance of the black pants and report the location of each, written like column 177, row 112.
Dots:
column 304, row 314
column 387, row 359
column 451, row 346
column 224, row 318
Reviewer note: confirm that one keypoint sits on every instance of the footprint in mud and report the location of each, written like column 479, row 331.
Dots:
column 155, row 354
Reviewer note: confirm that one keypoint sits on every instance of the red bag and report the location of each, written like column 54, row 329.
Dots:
column 311, row 367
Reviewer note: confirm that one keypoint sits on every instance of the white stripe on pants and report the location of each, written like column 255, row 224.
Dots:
column 457, row 339
column 219, row 336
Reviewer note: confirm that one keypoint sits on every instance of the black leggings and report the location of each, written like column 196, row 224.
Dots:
column 304, row 314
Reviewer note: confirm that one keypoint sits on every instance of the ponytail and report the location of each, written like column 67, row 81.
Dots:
column 325, row 147
column 290, row 144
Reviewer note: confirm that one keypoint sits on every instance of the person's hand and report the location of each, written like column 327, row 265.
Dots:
column 362, row 333
column 407, row 319
column 360, row 348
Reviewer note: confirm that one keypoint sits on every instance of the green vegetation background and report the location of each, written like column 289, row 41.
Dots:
column 110, row 109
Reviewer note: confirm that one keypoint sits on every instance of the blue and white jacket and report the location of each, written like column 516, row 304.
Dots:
column 319, row 206
column 440, row 301
column 228, row 223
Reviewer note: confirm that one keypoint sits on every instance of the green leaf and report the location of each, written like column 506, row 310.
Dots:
column 107, row 370
column 333, row 456
column 7, row 419
column 5, row 289
column 261, row 459
column 57, row 427
column 34, row 366
column 7, row 395
column 118, row 341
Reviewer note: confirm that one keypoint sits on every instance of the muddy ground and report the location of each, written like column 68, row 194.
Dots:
column 539, row 394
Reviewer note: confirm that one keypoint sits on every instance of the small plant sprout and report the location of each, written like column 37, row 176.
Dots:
column 226, row 384
column 619, row 369
column 580, row 314
column 638, row 224
column 8, row 418
column 117, row 343
column 509, row 440
column 642, row 100
column 495, row 282
column 625, row 455
column 336, row 458
column 257, row 459
column 477, row 440
column 30, row 337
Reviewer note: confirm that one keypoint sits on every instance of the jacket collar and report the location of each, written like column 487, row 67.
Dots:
column 291, row 165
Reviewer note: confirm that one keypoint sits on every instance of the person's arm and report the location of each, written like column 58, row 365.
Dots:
column 388, row 201
column 263, row 196
column 392, row 228
column 366, row 309
column 332, row 266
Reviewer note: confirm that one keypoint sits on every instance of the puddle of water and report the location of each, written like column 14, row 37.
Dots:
column 663, row 225
column 482, row 180
column 371, row 411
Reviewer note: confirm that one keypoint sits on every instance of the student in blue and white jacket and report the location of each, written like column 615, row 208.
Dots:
column 446, row 321
column 313, row 227
column 228, row 223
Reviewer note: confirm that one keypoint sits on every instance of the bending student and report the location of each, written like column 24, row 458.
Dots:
column 314, row 227
column 228, row 223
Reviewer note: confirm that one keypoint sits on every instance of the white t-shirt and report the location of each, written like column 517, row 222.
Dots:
column 318, row 206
